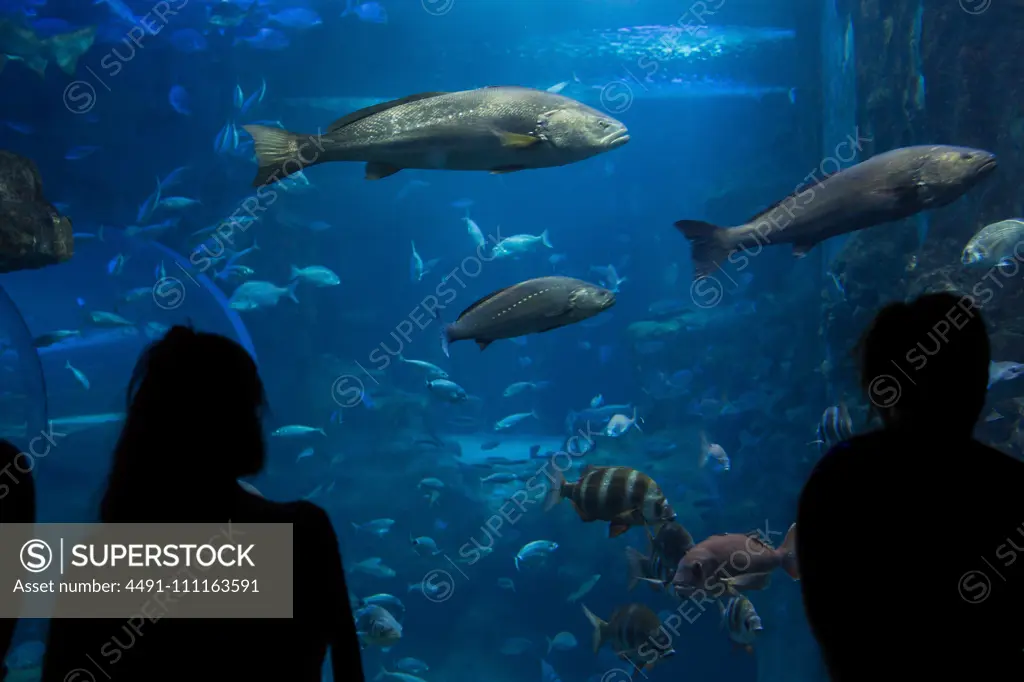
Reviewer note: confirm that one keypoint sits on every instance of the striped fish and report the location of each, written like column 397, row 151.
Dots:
column 622, row 496
column 667, row 549
column 744, row 624
column 835, row 427
column 634, row 633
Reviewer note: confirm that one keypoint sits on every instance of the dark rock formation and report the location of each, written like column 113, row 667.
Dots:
column 32, row 233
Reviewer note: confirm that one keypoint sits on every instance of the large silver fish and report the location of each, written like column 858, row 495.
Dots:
column 887, row 187
column 530, row 307
column 498, row 129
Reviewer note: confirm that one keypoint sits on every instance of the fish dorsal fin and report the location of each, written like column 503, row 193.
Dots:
column 348, row 119
column 800, row 188
column 477, row 304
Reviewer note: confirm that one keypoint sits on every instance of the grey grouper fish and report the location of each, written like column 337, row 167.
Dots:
column 498, row 129
column 530, row 307
column 887, row 187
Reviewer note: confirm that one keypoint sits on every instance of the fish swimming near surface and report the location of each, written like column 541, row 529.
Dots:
column 498, row 129
column 634, row 633
column 712, row 563
column 19, row 42
column 994, row 245
column 622, row 496
column 887, row 187
column 530, row 307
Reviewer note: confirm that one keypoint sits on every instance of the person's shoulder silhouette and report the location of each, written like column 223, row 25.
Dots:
column 193, row 428
column 900, row 530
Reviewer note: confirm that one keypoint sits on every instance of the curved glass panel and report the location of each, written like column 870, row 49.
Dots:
column 91, row 318
column 23, row 388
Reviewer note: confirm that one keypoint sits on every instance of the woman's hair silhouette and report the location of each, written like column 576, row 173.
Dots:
column 194, row 422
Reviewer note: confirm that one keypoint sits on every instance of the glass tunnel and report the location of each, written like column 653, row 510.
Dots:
column 51, row 332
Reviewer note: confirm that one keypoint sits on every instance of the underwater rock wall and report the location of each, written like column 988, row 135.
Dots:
column 32, row 233
column 932, row 73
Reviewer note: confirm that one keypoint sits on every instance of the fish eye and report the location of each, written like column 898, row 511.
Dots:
column 603, row 123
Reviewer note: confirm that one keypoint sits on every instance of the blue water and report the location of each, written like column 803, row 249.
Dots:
column 724, row 114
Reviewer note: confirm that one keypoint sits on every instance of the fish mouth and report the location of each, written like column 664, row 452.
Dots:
column 988, row 166
column 616, row 139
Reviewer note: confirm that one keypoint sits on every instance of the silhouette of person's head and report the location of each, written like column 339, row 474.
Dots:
column 924, row 364
column 193, row 425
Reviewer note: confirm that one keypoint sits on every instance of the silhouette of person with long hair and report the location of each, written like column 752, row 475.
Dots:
column 17, row 505
column 193, row 427
column 909, row 536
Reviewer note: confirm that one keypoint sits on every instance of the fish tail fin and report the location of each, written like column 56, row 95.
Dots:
column 382, row 674
column 255, row 245
column 636, row 562
column 554, row 494
column 67, row 364
column 291, row 291
column 534, row 413
column 599, row 628
column 551, row 643
column 788, row 554
column 355, row 525
column 348, row 9
column 703, row 453
column 66, row 48
column 446, row 339
column 709, row 244
column 295, row 273
column 279, row 153
column 546, row 239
